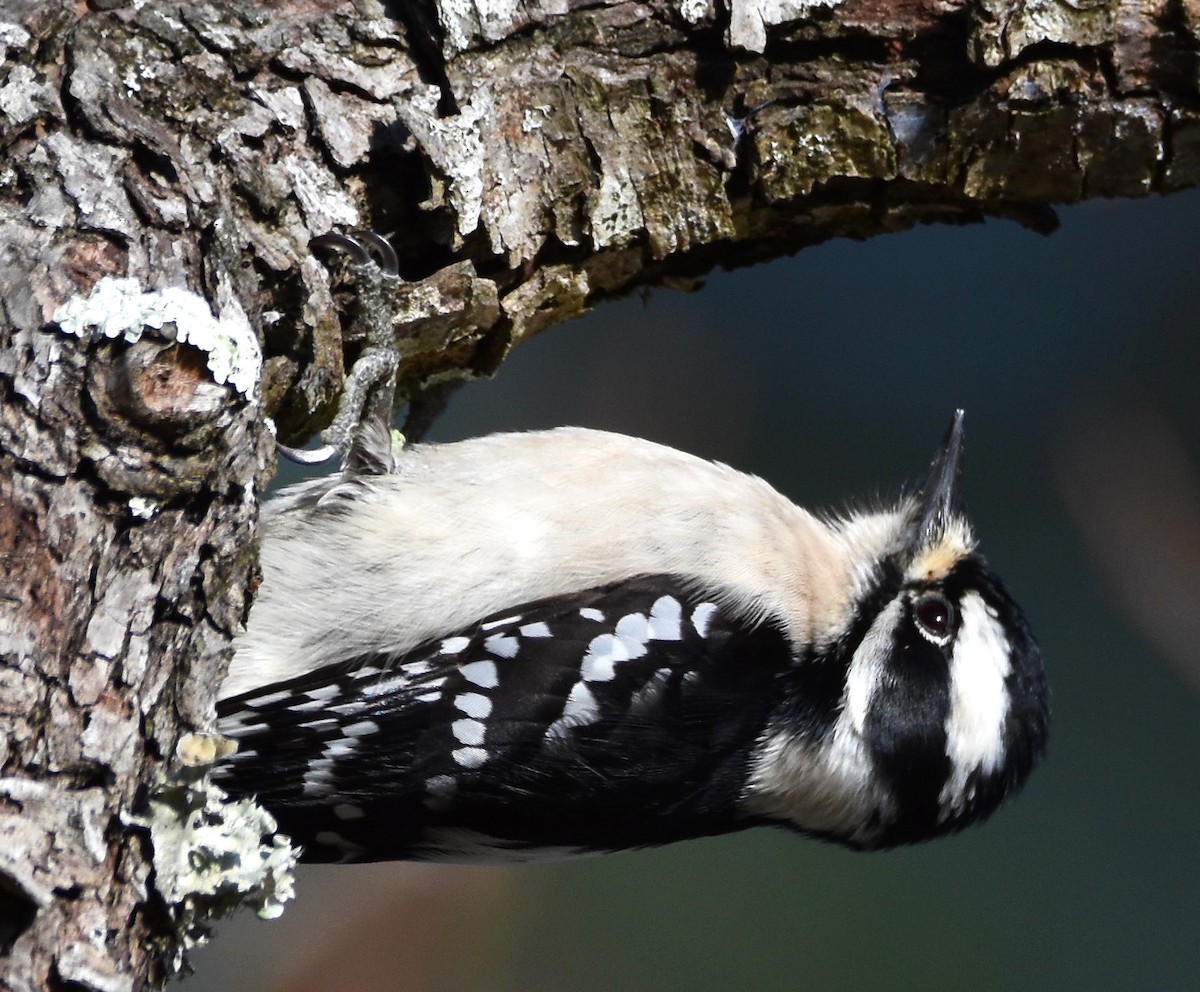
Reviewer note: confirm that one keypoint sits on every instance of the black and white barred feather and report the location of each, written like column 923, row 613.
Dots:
column 616, row 717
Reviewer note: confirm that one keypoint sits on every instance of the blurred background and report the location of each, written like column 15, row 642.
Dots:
column 834, row 374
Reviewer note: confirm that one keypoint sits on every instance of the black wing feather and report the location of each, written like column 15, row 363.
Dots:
column 525, row 735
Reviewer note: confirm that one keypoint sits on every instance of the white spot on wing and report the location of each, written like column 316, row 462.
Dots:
column 470, row 757
column 702, row 616
column 481, row 673
column 598, row 662
column 269, row 698
column 453, row 645
column 607, row 650
column 538, row 629
column 591, row 613
column 415, row 668
column 384, row 687
column 602, row 655
column 323, row 692
column 339, row 748
column 237, row 723
column 502, row 645
column 580, row 709
column 468, row 732
column 361, row 729
column 634, row 630
column 317, row 777
column 310, row 706
column 348, row 811
column 665, row 618
column 474, row 704
column 504, row 621
column 581, row 705
column 317, row 787
column 341, row 709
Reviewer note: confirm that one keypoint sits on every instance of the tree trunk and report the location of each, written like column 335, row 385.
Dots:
column 527, row 160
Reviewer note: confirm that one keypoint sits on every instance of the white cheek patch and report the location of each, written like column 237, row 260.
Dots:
column 827, row 787
column 979, row 700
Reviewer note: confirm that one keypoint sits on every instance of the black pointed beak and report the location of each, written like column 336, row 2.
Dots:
column 938, row 496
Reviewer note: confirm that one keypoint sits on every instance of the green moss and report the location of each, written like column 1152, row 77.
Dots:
column 813, row 144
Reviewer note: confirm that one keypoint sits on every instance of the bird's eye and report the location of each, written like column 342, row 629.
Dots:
column 935, row 617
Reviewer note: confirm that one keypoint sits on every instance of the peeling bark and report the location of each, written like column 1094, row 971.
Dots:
column 527, row 159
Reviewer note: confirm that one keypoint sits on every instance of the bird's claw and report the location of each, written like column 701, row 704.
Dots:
column 370, row 383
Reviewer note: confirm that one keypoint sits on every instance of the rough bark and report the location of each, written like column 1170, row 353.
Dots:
column 528, row 159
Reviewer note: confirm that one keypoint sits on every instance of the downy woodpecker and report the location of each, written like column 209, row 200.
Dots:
column 570, row 642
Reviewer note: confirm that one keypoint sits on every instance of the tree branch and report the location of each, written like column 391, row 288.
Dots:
column 527, row 160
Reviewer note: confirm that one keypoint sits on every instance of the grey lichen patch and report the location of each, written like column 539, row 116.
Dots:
column 324, row 202
column 616, row 210
column 125, row 606
column 86, row 177
column 144, row 508
column 346, row 123
column 21, row 836
column 12, row 36
column 455, row 148
column 212, row 855
column 467, row 23
column 119, row 308
column 24, row 94
column 696, row 11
